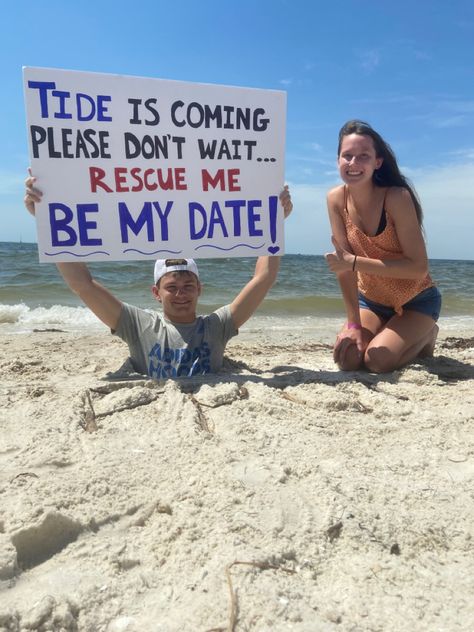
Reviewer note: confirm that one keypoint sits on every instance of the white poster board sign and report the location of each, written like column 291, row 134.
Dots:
column 137, row 168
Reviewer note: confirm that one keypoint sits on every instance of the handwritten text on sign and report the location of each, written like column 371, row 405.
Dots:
column 135, row 168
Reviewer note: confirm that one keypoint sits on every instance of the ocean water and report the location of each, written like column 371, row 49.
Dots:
column 306, row 296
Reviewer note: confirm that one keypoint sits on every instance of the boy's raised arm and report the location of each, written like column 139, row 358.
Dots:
column 77, row 275
column 266, row 272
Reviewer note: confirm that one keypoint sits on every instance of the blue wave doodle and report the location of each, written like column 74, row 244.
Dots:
column 153, row 252
column 232, row 248
column 75, row 254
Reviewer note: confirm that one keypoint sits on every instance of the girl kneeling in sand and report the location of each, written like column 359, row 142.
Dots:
column 380, row 259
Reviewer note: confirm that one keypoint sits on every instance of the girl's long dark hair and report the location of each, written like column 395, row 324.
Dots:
column 388, row 175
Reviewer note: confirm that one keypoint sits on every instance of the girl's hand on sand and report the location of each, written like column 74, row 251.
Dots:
column 32, row 194
column 345, row 339
column 341, row 260
column 285, row 199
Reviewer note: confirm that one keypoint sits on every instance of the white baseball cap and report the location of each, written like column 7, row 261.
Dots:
column 163, row 266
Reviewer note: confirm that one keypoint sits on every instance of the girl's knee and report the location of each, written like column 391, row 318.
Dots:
column 380, row 360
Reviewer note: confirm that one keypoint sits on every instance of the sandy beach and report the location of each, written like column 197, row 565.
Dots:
column 278, row 495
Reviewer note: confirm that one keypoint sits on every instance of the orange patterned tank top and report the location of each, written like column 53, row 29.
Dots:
column 385, row 245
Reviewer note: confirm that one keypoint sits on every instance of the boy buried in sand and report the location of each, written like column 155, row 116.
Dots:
column 178, row 343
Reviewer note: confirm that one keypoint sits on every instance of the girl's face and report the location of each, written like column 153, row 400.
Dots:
column 357, row 159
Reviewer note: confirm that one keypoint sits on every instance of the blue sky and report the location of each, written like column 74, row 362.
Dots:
column 405, row 67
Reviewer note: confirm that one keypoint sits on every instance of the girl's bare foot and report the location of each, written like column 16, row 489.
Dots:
column 428, row 349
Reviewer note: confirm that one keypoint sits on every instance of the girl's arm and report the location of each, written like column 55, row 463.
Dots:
column 346, row 277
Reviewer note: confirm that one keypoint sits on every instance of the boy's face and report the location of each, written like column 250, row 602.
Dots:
column 178, row 292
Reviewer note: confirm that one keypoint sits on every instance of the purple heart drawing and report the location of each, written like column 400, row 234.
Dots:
column 273, row 249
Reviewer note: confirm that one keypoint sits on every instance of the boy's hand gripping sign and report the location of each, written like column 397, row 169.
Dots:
column 136, row 168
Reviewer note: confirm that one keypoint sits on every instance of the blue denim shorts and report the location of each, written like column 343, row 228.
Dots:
column 427, row 302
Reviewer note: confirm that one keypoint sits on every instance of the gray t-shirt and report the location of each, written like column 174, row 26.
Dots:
column 162, row 349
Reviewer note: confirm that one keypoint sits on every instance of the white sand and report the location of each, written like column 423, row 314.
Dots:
column 346, row 498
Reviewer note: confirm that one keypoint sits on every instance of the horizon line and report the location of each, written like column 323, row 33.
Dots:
column 294, row 254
